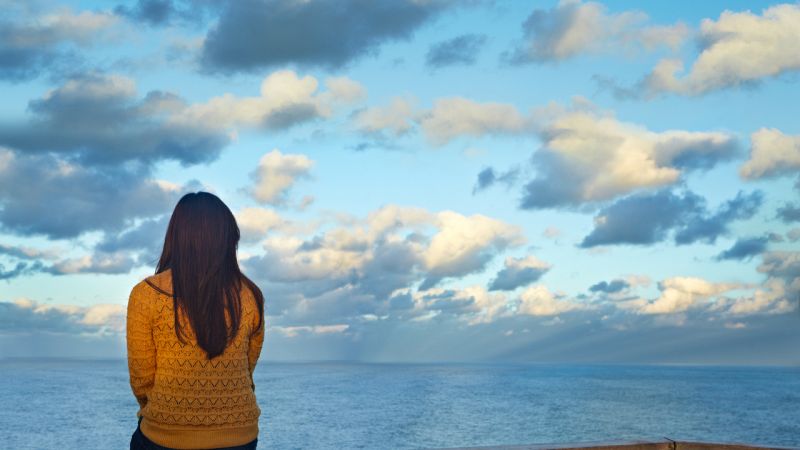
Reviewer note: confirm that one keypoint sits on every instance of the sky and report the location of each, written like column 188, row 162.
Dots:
column 418, row 180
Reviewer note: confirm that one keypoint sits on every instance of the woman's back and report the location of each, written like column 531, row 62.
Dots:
column 185, row 399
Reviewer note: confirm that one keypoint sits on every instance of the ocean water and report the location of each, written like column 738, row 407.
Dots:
column 67, row 404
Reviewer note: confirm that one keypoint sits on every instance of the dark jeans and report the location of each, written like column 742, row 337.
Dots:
column 140, row 442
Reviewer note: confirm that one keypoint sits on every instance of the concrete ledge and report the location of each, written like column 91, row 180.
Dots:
column 657, row 444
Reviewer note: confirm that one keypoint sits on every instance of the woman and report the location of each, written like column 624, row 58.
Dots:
column 192, row 372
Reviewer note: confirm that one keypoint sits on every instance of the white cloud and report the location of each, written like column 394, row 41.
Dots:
column 343, row 90
column 460, row 245
column 62, row 25
column 772, row 153
column 256, row 222
column 736, row 49
column 101, row 262
column 108, row 87
column 589, row 155
column 275, row 175
column 572, row 28
column 465, row 243
column 285, row 99
column 353, row 267
column 454, row 117
column 393, row 217
column 771, row 298
column 682, row 294
column 538, row 300
column 488, row 305
column 25, row 315
column 397, row 117
column 679, row 294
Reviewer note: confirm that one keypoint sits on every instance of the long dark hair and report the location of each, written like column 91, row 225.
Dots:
column 200, row 249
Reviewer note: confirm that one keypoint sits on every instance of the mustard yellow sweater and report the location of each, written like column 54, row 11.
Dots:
column 185, row 400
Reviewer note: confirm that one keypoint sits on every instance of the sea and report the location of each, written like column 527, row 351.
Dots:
column 88, row 404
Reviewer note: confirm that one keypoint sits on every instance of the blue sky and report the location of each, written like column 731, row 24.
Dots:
column 426, row 180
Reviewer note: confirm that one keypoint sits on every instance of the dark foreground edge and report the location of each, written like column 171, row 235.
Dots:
column 665, row 444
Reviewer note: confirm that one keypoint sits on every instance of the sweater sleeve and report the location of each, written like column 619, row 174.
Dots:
column 254, row 349
column 141, row 346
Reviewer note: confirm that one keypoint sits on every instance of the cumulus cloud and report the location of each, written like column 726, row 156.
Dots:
column 783, row 266
column 30, row 45
column 464, row 244
column 276, row 174
column 396, row 119
column 95, row 118
column 489, row 177
column 679, row 294
column 771, row 299
column 354, row 268
column 470, row 304
column 475, row 305
column 167, row 12
column 777, row 294
column 740, row 48
column 25, row 315
column 590, row 156
column 647, row 218
column 285, row 100
column 29, row 260
column 145, row 238
column 98, row 119
column 539, row 301
column 255, row 223
column 519, row 272
column 89, row 199
column 460, row 50
column 20, row 269
column 449, row 119
column 745, row 248
column 455, row 117
column 92, row 144
column 706, row 226
column 611, row 287
column 772, row 154
column 107, row 263
column 25, row 252
column 254, row 34
column 586, row 156
column 789, row 213
column 572, row 28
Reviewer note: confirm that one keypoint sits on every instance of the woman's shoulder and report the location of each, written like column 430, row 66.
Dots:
column 250, row 296
column 250, row 289
column 160, row 283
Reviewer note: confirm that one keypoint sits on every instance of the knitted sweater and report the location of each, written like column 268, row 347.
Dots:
column 185, row 399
